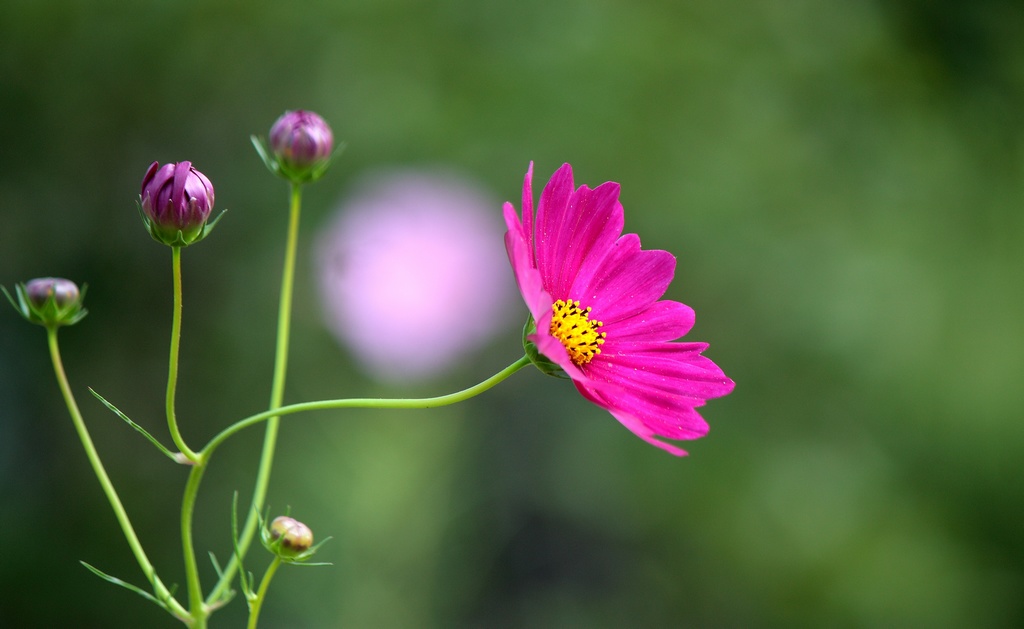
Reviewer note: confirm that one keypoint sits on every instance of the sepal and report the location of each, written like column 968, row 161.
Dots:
column 292, row 174
column 540, row 361
column 177, row 239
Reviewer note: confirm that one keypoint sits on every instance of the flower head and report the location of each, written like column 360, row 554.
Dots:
column 301, row 142
column 176, row 203
column 409, row 253
column 595, row 299
column 49, row 301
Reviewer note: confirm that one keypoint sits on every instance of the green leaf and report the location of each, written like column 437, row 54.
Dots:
column 137, row 427
column 144, row 594
column 216, row 565
column 244, row 578
column 228, row 593
column 17, row 306
column 268, row 161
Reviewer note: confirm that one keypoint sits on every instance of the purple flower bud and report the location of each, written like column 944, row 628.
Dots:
column 176, row 203
column 295, row 537
column 302, row 143
column 49, row 301
column 64, row 293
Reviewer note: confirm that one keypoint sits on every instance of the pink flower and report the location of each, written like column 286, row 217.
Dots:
column 595, row 297
column 407, row 255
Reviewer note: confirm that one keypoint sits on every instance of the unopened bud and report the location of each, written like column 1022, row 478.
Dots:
column 301, row 144
column 176, row 203
column 49, row 301
column 64, row 293
column 293, row 536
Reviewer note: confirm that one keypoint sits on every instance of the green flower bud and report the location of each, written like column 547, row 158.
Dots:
column 290, row 537
column 49, row 301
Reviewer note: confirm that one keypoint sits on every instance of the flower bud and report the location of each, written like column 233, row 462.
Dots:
column 176, row 203
column 301, row 142
column 290, row 536
column 64, row 293
column 49, row 301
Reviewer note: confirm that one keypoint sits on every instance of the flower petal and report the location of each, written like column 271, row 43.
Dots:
column 668, row 415
column 625, row 282
column 517, row 245
column 663, row 421
column 553, row 349
column 654, row 388
column 592, row 223
column 181, row 172
column 675, row 369
column 528, row 212
column 551, row 214
column 647, row 433
column 663, row 321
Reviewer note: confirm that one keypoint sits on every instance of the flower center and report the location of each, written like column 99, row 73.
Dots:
column 573, row 327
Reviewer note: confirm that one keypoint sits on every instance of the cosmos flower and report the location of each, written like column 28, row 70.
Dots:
column 404, row 261
column 595, row 298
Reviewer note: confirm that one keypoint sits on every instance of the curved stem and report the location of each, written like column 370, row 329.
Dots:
column 427, row 402
column 172, row 370
column 161, row 591
column 257, row 602
column 430, row 402
column 276, row 394
column 276, row 413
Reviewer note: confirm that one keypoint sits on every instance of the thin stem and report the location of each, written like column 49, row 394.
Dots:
column 161, row 592
column 172, row 370
column 197, row 607
column 276, row 394
column 427, row 402
column 257, row 603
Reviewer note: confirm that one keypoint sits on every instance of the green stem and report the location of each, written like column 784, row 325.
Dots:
column 161, row 592
column 172, row 370
column 197, row 607
column 427, row 402
column 276, row 394
column 408, row 403
column 257, row 603
column 198, row 611
column 217, row 595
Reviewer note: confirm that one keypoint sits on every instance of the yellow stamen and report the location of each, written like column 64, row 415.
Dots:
column 573, row 327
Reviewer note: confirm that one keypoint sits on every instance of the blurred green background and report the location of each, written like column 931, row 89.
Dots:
column 841, row 183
